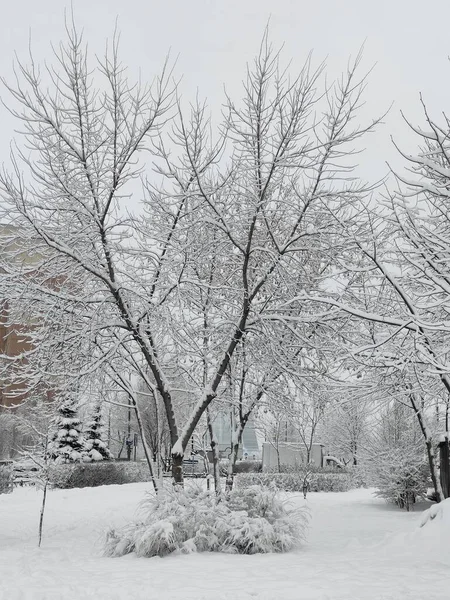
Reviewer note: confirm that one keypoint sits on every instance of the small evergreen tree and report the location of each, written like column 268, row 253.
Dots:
column 67, row 443
column 96, row 447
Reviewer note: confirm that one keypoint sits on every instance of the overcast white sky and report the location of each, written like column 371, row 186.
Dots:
column 408, row 39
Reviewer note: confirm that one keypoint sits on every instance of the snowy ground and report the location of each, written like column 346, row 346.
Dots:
column 358, row 548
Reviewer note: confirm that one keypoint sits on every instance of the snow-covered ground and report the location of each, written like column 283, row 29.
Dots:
column 358, row 548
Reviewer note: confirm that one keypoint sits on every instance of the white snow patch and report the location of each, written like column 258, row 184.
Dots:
column 358, row 547
column 177, row 448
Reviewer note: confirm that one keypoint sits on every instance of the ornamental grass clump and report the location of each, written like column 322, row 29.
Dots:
column 248, row 521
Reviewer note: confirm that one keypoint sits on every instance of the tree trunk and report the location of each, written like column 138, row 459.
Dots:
column 41, row 515
column 430, row 452
column 231, row 467
column 147, row 450
column 236, row 442
column 354, row 450
column 122, row 441
column 445, row 468
column 308, row 455
column 434, row 471
column 215, row 455
column 177, row 469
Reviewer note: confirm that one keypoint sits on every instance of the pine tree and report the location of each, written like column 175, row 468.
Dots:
column 96, row 447
column 67, row 440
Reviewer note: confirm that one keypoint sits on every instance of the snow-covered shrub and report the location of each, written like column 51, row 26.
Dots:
column 336, row 481
column 400, row 476
column 395, row 460
column 248, row 521
column 80, row 475
column 358, row 476
column 6, row 476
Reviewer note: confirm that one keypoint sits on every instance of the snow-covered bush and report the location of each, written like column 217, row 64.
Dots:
column 248, row 521
column 395, row 461
column 358, row 476
column 400, row 476
column 293, row 482
column 80, row 475
column 96, row 447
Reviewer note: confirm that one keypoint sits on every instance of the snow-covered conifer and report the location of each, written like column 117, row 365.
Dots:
column 96, row 447
column 67, row 442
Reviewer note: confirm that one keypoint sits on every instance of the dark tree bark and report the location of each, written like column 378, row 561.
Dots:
column 445, row 468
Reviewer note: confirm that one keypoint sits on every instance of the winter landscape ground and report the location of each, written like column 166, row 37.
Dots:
column 358, row 548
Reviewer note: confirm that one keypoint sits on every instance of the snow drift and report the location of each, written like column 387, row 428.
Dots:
column 430, row 536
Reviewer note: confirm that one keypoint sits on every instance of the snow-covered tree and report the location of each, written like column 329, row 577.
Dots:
column 67, row 443
column 95, row 444
column 395, row 461
column 243, row 216
column 346, row 426
column 393, row 289
column 306, row 415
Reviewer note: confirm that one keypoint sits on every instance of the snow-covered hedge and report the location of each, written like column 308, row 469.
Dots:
column 249, row 521
column 293, row 482
column 310, row 468
column 80, row 475
column 248, row 466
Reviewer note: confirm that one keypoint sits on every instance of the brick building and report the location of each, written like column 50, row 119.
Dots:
column 14, row 338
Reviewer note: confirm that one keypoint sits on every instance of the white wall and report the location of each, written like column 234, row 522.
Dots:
column 290, row 454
